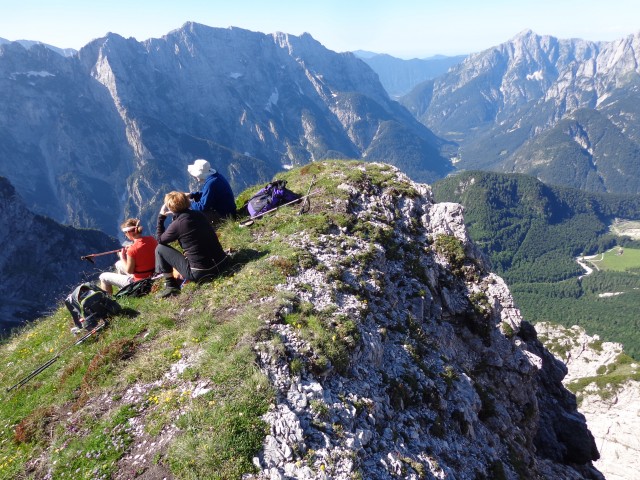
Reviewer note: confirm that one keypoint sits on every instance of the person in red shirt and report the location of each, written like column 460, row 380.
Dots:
column 137, row 261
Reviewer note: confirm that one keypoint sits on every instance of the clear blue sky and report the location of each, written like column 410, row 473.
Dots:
column 403, row 28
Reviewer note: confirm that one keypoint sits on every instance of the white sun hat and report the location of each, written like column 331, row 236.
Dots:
column 200, row 169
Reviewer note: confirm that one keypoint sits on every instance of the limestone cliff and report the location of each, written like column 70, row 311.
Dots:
column 445, row 380
column 607, row 383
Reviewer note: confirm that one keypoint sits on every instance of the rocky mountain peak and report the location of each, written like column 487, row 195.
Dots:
column 441, row 356
column 121, row 119
column 506, row 107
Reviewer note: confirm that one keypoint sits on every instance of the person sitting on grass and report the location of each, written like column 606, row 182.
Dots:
column 203, row 255
column 215, row 198
column 137, row 261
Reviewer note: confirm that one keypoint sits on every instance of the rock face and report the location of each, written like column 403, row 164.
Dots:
column 565, row 111
column 40, row 259
column 112, row 128
column 444, row 378
column 611, row 405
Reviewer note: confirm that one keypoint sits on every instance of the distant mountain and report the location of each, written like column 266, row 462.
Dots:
column 65, row 52
column 40, row 259
column 565, row 111
column 105, row 133
column 400, row 76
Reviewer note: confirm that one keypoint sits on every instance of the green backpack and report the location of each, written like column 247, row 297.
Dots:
column 89, row 304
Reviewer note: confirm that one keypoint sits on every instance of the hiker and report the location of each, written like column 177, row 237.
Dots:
column 215, row 199
column 203, row 254
column 137, row 261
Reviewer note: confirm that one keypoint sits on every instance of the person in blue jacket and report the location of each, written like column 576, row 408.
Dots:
column 215, row 200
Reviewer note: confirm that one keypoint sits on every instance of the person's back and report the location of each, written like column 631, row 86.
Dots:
column 215, row 199
column 197, row 238
column 143, row 250
column 216, row 195
column 202, row 257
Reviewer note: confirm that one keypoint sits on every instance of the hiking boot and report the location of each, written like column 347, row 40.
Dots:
column 89, row 323
column 171, row 288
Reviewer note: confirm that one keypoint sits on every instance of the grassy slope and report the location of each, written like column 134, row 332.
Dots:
column 73, row 419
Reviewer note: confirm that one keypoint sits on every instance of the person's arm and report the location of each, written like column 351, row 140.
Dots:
column 160, row 226
column 203, row 200
column 130, row 264
column 168, row 235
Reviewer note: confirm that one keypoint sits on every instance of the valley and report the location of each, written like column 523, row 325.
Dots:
column 533, row 233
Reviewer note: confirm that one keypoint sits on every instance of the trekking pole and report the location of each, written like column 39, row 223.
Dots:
column 249, row 221
column 306, row 204
column 91, row 255
column 53, row 360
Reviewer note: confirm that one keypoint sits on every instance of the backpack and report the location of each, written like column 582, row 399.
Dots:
column 271, row 196
column 90, row 303
column 139, row 288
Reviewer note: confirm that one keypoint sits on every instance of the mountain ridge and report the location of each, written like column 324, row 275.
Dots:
column 45, row 264
column 123, row 118
column 498, row 103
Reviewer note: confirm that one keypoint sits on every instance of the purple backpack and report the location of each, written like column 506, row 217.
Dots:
column 271, row 196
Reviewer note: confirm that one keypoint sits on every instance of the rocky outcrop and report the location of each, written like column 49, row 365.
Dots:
column 40, row 260
column 440, row 377
column 608, row 386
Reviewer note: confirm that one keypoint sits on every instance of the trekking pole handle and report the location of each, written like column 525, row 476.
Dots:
column 102, row 253
column 91, row 255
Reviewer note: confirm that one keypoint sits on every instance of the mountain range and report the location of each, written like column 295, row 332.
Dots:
column 119, row 120
column 565, row 111
column 105, row 133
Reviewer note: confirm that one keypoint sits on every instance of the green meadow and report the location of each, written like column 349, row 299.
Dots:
column 618, row 260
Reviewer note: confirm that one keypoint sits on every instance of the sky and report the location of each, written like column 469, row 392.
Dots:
column 402, row 28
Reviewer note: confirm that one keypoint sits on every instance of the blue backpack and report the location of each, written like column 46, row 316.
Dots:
column 271, row 196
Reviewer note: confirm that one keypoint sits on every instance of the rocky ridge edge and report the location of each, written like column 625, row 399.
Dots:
column 444, row 379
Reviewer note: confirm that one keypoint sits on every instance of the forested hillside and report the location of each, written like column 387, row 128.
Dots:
column 532, row 233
